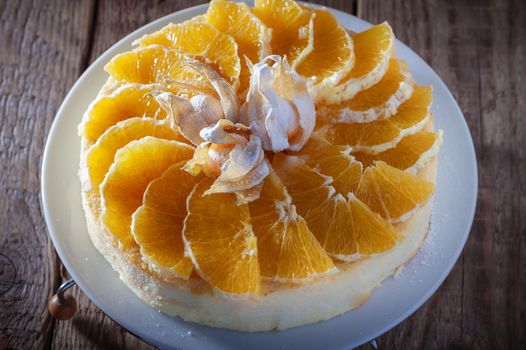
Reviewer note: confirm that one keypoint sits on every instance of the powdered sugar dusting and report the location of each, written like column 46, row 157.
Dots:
column 430, row 253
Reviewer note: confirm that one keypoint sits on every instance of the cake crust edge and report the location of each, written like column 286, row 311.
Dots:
column 281, row 306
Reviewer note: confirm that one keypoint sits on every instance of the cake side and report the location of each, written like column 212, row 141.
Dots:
column 281, row 306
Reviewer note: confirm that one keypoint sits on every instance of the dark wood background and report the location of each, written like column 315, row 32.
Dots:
column 477, row 47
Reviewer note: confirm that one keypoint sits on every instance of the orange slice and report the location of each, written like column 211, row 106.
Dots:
column 334, row 161
column 128, row 101
column 202, row 41
column 134, row 167
column 287, row 249
column 380, row 135
column 393, row 193
column 131, row 100
column 157, row 225
column 252, row 36
column 331, row 58
column 410, row 154
column 152, row 64
column 373, row 49
column 380, row 101
column 219, row 239
column 292, row 32
column 99, row 156
column 345, row 227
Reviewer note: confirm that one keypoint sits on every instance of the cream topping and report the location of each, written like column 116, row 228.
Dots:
column 278, row 109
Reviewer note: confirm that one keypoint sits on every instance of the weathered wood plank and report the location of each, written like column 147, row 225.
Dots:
column 41, row 47
column 348, row 6
column 479, row 50
column 493, row 297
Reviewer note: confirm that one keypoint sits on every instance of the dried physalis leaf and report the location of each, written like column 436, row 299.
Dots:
column 211, row 154
column 226, row 149
column 278, row 109
column 194, row 114
column 235, row 156
column 226, row 92
column 244, row 169
column 190, row 116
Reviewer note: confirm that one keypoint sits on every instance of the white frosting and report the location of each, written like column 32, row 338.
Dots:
column 278, row 109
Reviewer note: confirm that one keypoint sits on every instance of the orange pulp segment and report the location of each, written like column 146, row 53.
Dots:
column 410, row 154
column 152, row 64
column 287, row 249
column 332, row 55
column 291, row 27
column 380, row 135
column 251, row 35
column 99, row 156
column 134, row 167
column 334, row 161
column 373, row 48
column 157, row 225
column 380, row 101
column 219, row 239
column 201, row 41
column 131, row 100
column 345, row 227
column 393, row 193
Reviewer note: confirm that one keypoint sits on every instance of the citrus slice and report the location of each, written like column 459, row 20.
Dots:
column 410, row 154
column 380, row 135
column 393, row 193
column 157, row 225
column 292, row 32
column 219, row 239
column 373, row 49
column 331, row 58
column 99, row 156
column 128, row 101
column 334, row 161
column 380, row 101
column 287, row 249
column 252, row 36
column 134, row 167
column 202, row 41
column 345, row 227
column 152, row 64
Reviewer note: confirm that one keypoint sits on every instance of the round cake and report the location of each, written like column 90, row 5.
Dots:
column 258, row 168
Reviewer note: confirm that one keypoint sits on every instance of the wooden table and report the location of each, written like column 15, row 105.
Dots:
column 477, row 47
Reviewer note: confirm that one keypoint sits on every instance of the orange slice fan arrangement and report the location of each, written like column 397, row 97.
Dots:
column 189, row 172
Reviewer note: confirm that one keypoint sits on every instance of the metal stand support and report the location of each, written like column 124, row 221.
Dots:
column 63, row 306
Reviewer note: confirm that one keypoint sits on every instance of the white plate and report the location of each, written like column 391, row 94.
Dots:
column 395, row 300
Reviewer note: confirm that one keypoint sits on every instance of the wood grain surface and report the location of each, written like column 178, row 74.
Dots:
column 477, row 47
